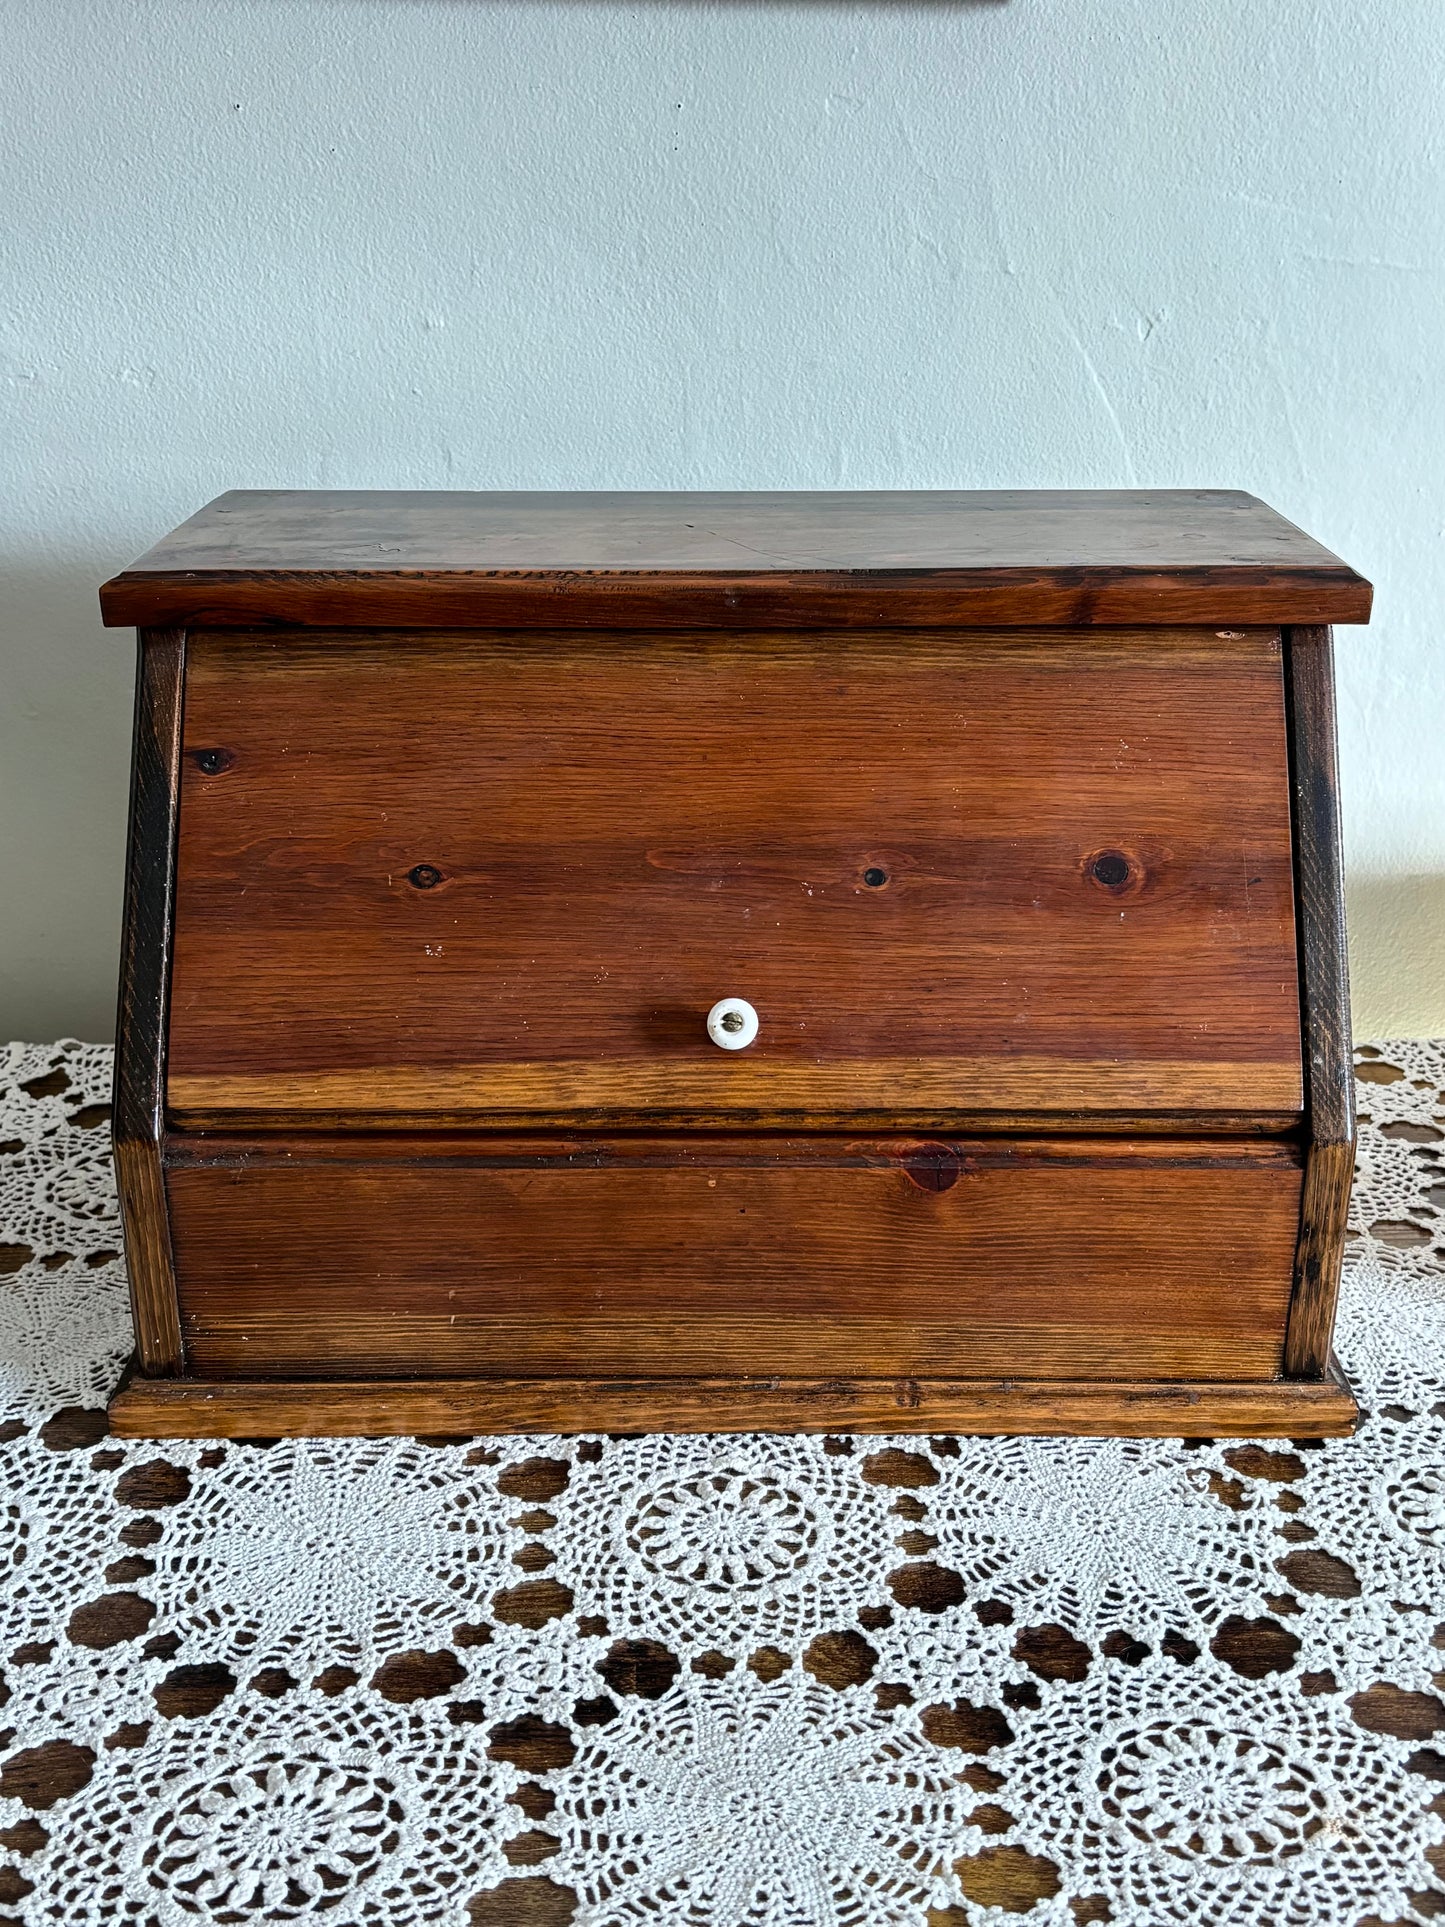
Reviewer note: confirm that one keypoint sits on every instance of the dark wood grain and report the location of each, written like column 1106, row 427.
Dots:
column 144, row 985
column 398, row 1258
column 191, row 1409
column 1325, row 987
column 1065, row 559
column 508, row 876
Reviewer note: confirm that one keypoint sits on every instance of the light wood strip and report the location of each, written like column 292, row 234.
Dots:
column 944, row 1086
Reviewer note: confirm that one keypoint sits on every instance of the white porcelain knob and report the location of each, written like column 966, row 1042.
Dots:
column 732, row 1023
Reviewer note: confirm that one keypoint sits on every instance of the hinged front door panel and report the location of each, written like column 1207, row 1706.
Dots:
column 484, row 877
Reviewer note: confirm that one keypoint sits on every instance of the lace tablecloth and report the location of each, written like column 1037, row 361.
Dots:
column 716, row 1682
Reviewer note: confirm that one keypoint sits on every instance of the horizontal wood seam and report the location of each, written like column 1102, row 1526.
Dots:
column 484, row 1150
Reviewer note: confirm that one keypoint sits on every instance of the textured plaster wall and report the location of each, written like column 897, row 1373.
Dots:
column 465, row 243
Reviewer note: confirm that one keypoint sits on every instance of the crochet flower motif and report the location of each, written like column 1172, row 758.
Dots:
column 1228, row 1806
column 1205, row 1793
column 1382, row 1507
column 82, row 1191
column 1098, row 1533
column 737, row 1804
column 53, row 1537
column 64, row 1312
column 281, row 1837
column 314, row 1547
column 690, row 1536
column 1391, row 1338
column 64, row 1334
column 356, row 1814
column 729, row 1530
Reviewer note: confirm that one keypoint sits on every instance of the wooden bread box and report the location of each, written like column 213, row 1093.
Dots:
column 472, row 834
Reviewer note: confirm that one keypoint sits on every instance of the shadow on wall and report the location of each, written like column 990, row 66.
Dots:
column 1397, row 955
column 66, row 692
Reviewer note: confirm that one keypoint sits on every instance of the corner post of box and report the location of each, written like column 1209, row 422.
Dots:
column 139, row 1097
column 1325, row 999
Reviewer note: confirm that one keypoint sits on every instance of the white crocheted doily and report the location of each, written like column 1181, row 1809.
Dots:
column 715, row 1682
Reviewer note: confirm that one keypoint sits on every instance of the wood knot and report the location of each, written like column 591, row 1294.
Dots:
column 1111, row 869
column 1114, row 871
column 933, row 1167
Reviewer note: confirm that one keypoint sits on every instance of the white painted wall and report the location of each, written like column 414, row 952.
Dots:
column 464, row 243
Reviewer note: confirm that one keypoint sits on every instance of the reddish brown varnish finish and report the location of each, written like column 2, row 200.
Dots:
column 1016, row 817
column 1050, row 558
column 508, row 876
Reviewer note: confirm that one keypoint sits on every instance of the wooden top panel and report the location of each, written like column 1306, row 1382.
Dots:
column 1051, row 558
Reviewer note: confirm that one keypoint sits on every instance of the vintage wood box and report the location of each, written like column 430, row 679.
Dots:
column 472, row 835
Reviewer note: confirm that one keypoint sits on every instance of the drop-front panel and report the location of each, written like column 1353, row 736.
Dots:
column 477, row 875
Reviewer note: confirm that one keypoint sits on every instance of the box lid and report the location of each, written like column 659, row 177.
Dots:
column 1001, row 558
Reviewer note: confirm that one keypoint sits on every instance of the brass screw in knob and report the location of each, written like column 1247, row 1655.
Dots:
column 732, row 1024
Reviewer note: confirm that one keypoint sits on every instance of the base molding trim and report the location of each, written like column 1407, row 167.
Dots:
column 191, row 1408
